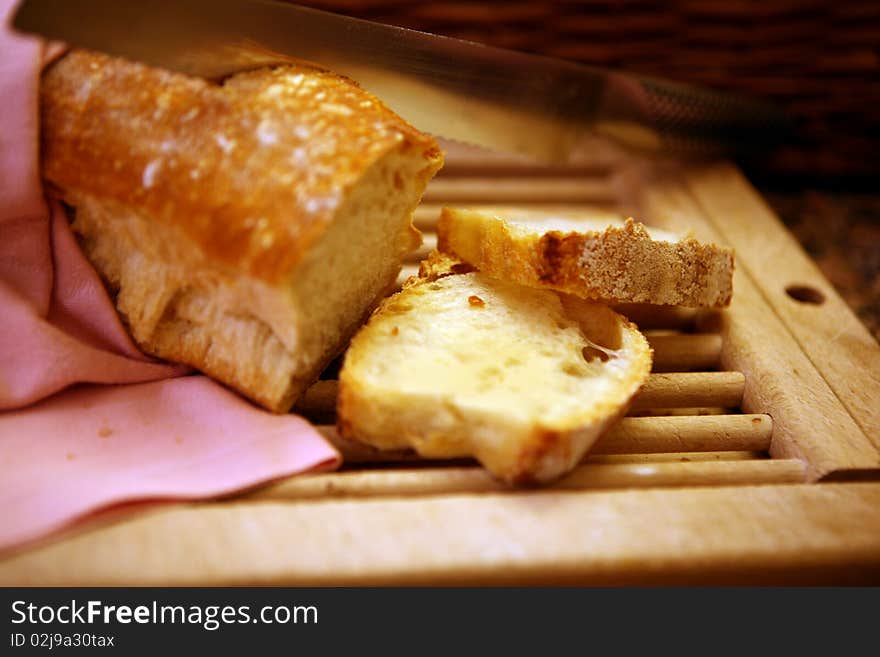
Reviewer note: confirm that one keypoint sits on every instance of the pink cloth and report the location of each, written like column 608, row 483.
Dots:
column 65, row 451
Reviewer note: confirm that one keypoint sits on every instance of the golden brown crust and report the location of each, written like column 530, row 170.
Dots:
column 251, row 169
column 222, row 216
column 437, row 265
column 615, row 265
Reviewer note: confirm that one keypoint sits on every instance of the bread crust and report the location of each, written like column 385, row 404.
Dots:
column 251, row 169
column 244, row 228
column 618, row 264
column 437, row 426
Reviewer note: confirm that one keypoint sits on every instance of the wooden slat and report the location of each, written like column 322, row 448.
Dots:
column 838, row 345
column 500, row 166
column 693, row 410
column 788, row 533
column 469, row 160
column 648, row 316
column 676, row 457
column 429, row 243
column 513, row 190
column 680, row 353
column 810, row 422
column 426, row 216
column 456, row 480
column 694, row 433
column 679, row 389
column 631, row 435
column 405, row 272
column 427, row 213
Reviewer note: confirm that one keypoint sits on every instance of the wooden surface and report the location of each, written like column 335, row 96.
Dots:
column 810, row 421
column 703, row 481
column 826, row 329
column 840, row 230
column 641, row 473
column 821, row 533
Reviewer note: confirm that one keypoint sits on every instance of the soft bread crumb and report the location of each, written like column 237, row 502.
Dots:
column 525, row 382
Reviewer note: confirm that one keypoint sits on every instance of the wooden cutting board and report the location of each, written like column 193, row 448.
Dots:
column 752, row 455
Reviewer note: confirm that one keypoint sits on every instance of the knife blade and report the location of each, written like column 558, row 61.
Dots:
column 504, row 100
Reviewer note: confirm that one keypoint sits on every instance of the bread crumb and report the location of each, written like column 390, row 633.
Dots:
column 394, row 330
column 105, row 432
column 475, row 301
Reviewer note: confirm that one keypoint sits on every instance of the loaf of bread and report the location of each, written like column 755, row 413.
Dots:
column 459, row 363
column 246, row 228
column 599, row 258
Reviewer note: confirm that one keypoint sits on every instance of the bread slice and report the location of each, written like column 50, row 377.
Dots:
column 462, row 364
column 593, row 257
column 246, row 228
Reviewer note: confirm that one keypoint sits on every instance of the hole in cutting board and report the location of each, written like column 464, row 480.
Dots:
column 805, row 294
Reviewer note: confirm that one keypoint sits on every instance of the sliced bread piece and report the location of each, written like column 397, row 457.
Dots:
column 602, row 258
column 246, row 228
column 462, row 364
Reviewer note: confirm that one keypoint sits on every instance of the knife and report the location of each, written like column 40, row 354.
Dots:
column 505, row 100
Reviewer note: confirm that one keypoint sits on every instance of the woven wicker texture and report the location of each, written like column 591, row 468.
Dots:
column 819, row 59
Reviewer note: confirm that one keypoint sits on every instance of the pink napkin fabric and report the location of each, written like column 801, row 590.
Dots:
column 69, row 447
